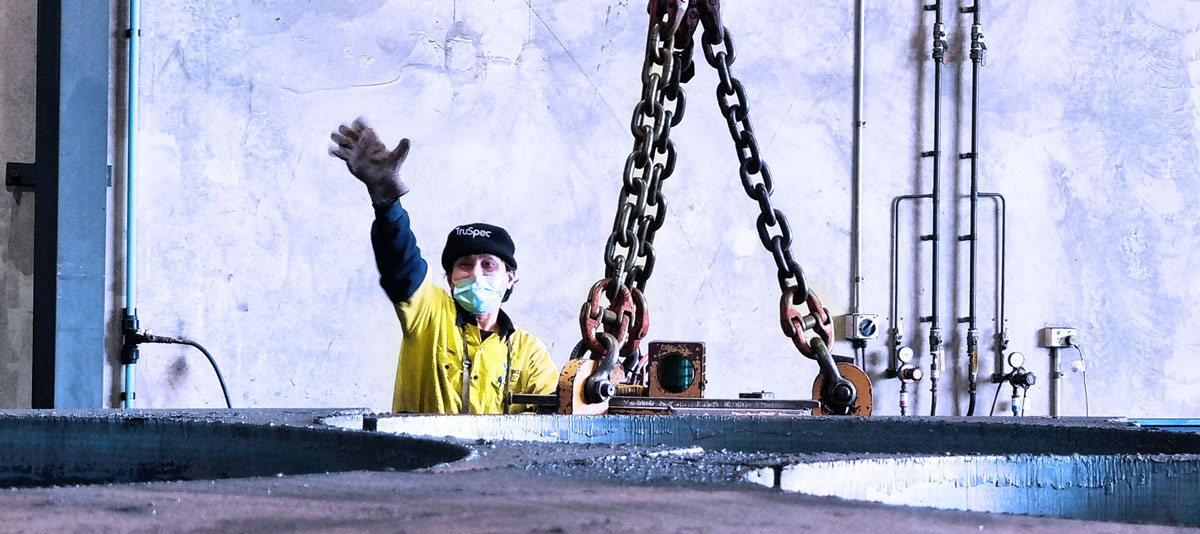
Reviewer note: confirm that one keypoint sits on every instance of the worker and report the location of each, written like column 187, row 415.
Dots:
column 460, row 353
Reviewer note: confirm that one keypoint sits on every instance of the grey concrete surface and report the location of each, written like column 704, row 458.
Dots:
column 18, row 57
column 504, row 486
column 255, row 240
column 491, row 501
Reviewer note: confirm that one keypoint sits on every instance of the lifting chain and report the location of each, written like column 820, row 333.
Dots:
column 629, row 252
column 773, row 229
column 619, row 326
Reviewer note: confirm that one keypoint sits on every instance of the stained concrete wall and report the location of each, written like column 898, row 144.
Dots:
column 17, row 75
column 255, row 242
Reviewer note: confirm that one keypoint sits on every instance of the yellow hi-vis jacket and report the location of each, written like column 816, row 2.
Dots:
column 441, row 340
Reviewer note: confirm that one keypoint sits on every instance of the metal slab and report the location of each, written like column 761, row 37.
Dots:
column 1129, row 488
column 39, row 448
column 807, row 434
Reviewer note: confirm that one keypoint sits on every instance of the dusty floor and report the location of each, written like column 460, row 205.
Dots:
column 507, row 488
column 504, row 487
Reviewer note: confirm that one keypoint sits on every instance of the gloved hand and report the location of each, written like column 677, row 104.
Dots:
column 370, row 161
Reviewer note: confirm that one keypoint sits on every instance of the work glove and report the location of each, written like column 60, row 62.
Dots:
column 370, row 161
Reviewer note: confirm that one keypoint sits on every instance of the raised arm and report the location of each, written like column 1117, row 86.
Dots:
column 401, row 268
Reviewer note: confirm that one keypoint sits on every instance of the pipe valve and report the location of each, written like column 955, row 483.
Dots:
column 910, row 373
column 1022, row 378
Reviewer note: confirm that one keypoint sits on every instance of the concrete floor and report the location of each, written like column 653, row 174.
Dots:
column 504, row 487
column 504, row 500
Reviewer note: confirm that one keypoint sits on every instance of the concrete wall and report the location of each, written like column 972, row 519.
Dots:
column 255, row 242
column 17, row 75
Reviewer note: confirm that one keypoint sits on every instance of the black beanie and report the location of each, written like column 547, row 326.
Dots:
column 478, row 238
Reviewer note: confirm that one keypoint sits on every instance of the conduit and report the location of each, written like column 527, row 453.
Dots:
column 129, row 351
column 860, row 345
column 935, row 333
column 131, row 333
column 977, row 53
column 894, row 308
column 1001, row 329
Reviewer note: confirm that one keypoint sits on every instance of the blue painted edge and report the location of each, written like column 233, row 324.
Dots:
column 1167, row 423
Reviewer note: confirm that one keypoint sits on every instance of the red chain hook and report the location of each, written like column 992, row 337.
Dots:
column 794, row 324
column 626, row 317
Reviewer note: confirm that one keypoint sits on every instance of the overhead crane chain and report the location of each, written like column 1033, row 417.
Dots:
column 629, row 253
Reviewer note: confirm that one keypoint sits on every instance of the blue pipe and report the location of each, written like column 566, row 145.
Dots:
column 135, row 31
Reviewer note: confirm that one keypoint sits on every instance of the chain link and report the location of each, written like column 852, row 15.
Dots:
column 629, row 256
column 755, row 175
column 629, row 252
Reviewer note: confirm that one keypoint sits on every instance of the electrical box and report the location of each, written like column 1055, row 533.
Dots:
column 862, row 326
column 1055, row 337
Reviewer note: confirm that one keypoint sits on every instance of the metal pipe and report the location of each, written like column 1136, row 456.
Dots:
column 1001, row 272
column 129, row 354
column 893, row 304
column 935, row 334
column 856, row 166
column 1055, row 384
column 973, row 236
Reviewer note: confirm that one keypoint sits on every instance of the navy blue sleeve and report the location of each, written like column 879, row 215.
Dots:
column 401, row 267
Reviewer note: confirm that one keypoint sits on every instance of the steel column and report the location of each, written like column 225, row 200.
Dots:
column 70, row 205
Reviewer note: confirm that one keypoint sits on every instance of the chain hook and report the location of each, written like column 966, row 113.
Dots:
column 794, row 324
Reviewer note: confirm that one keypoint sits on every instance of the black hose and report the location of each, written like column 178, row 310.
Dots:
column 150, row 338
column 995, row 398
column 216, row 369
column 932, row 394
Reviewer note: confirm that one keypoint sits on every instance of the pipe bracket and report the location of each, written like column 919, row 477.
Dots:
column 20, row 176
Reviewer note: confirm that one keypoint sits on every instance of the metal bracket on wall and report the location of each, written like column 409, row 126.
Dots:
column 20, row 176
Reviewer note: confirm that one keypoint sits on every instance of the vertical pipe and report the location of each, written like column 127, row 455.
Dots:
column 856, row 170
column 129, row 354
column 1001, row 271
column 1055, row 384
column 973, row 236
column 894, row 305
column 935, row 333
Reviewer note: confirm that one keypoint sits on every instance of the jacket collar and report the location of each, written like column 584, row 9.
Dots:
column 465, row 317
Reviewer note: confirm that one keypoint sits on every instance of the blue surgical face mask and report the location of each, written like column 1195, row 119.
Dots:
column 479, row 295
